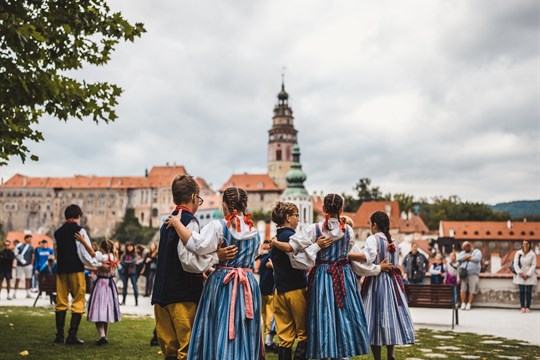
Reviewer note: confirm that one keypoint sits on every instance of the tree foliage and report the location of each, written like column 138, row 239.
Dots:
column 363, row 192
column 41, row 43
column 130, row 229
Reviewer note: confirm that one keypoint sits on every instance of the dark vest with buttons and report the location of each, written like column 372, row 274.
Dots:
column 67, row 258
column 172, row 284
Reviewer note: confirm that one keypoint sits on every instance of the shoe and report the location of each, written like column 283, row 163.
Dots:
column 284, row 353
column 301, row 351
column 527, row 310
column 102, row 341
column 271, row 348
column 468, row 307
column 463, row 305
column 28, row 296
column 14, row 294
column 522, row 310
column 9, row 297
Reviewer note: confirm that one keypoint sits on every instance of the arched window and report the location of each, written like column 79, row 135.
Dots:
column 278, row 155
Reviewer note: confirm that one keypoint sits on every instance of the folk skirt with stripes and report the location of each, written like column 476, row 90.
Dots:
column 210, row 336
column 103, row 305
column 335, row 332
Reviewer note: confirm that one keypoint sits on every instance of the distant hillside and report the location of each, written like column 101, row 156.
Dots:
column 518, row 209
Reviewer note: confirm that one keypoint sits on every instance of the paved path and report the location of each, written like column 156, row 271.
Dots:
column 507, row 323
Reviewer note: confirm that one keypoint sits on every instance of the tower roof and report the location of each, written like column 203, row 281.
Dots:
column 296, row 176
column 283, row 94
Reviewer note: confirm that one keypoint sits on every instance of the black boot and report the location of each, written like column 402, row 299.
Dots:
column 60, row 321
column 136, row 301
column 301, row 351
column 284, row 353
column 154, row 341
column 72, row 338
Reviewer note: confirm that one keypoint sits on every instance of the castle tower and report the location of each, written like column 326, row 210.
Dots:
column 282, row 138
column 296, row 192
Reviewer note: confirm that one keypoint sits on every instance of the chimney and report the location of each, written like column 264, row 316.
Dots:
column 145, row 173
column 451, row 233
column 509, row 224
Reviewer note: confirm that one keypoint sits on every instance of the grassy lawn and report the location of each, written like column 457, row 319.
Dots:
column 32, row 330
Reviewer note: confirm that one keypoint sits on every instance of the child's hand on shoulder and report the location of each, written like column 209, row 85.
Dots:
column 79, row 237
column 173, row 218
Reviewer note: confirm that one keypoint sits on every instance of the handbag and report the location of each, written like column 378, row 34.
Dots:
column 512, row 268
column 462, row 271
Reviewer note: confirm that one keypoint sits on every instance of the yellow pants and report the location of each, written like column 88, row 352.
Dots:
column 290, row 314
column 267, row 312
column 74, row 284
column 173, row 327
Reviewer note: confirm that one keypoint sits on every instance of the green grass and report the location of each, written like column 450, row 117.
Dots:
column 32, row 329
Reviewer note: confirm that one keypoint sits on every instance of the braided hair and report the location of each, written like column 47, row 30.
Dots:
column 235, row 198
column 281, row 210
column 383, row 223
column 332, row 206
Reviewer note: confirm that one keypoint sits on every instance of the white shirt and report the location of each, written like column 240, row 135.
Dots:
column 363, row 268
column 208, row 240
column 192, row 262
column 304, row 243
column 85, row 257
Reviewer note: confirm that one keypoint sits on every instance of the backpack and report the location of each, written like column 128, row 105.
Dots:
column 512, row 268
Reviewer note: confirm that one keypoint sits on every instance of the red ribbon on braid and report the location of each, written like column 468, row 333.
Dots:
column 248, row 221
column 342, row 225
column 232, row 216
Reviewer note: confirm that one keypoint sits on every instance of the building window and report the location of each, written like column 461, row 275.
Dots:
column 531, row 233
column 154, row 212
column 499, row 233
column 262, row 197
column 476, row 233
column 511, row 233
column 523, row 233
column 488, row 232
column 142, row 217
column 278, row 155
column 465, row 232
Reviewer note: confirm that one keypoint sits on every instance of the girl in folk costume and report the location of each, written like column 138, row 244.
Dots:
column 384, row 297
column 103, row 306
column 337, row 325
column 228, row 320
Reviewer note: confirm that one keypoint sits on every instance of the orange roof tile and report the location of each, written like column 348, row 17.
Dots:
column 491, row 230
column 361, row 218
column 251, row 183
column 36, row 238
column 211, row 202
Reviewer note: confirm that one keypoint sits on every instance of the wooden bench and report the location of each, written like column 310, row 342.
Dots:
column 433, row 296
column 47, row 284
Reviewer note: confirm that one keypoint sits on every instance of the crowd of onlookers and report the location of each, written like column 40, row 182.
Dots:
column 23, row 262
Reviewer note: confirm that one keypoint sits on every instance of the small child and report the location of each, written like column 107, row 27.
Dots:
column 437, row 270
column 103, row 306
column 266, row 283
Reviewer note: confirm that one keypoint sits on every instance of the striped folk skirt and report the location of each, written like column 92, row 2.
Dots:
column 335, row 332
column 103, row 305
column 219, row 334
column 387, row 312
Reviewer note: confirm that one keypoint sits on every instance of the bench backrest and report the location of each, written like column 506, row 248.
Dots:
column 430, row 295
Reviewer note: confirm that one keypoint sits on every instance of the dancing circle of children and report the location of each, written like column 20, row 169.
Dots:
column 337, row 326
column 227, row 324
column 385, row 301
column 179, row 274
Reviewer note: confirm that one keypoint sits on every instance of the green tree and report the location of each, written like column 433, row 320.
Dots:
column 259, row 215
column 130, row 229
column 366, row 192
column 40, row 42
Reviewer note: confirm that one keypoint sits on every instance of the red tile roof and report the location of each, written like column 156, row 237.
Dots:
column 361, row 218
column 491, row 230
column 251, row 183
column 36, row 238
column 158, row 177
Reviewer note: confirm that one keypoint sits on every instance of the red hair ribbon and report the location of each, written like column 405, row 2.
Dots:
column 326, row 218
column 248, row 221
column 229, row 219
column 342, row 223
column 391, row 248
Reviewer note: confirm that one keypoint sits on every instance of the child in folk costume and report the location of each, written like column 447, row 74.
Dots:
column 228, row 320
column 103, row 306
column 178, row 283
column 384, row 296
column 337, row 324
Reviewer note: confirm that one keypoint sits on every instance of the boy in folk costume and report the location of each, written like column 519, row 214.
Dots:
column 179, row 280
column 71, row 257
column 228, row 321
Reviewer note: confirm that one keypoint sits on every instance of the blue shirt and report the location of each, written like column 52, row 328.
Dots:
column 42, row 256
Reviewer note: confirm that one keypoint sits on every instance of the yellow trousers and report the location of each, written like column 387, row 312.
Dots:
column 290, row 314
column 173, row 327
column 74, row 284
column 267, row 312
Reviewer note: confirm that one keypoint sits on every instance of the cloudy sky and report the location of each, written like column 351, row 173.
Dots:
column 423, row 97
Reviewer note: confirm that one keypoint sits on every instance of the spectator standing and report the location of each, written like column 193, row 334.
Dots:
column 415, row 266
column 6, row 266
column 525, row 277
column 150, row 268
column 437, row 270
column 41, row 257
column 24, row 254
column 451, row 276
column 470, row 261
column 49, row 268
column 129, row 272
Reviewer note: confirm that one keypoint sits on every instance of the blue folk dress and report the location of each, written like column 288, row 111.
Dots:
column 385, row 300
column 227, row 325
column 337, row 324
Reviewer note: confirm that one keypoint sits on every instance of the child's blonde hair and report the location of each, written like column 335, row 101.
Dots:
column 347, row 220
